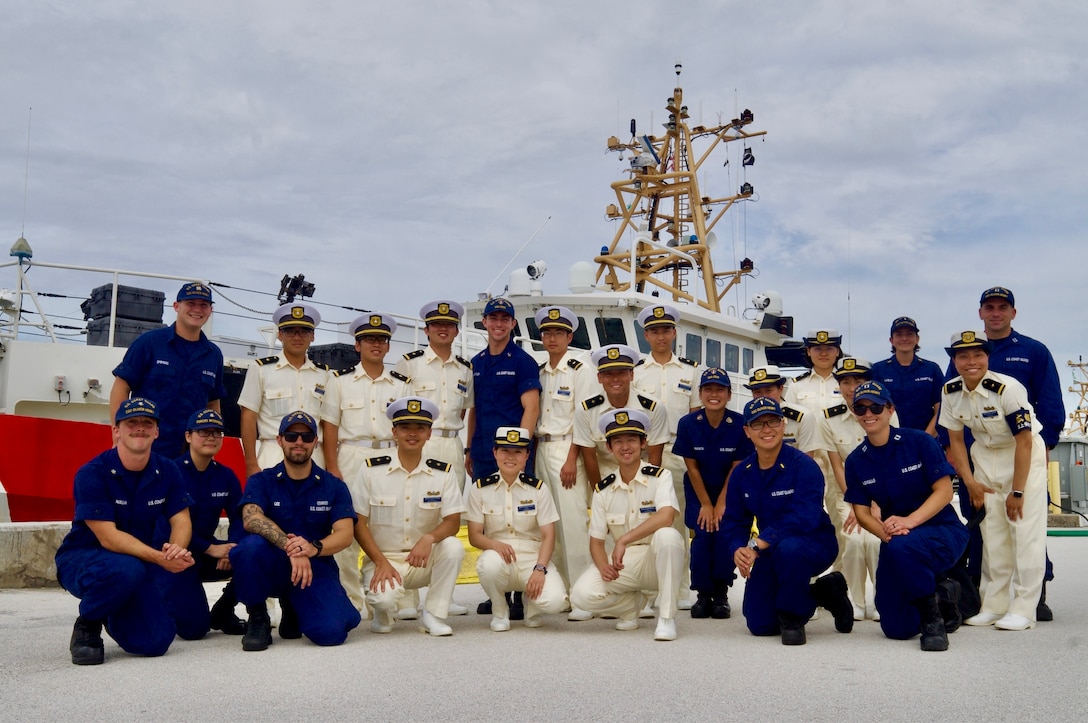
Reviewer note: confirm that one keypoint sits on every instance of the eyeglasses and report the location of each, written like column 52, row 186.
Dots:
column 876, row 409
column 307, row 437
column 296, row 331
column 374, row 339
column 772, row 423
column 205, row 433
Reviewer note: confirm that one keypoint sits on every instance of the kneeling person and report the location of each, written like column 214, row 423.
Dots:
column 636, row 506
column 511, row 518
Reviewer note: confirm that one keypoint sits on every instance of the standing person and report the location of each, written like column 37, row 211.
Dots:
column 915, row 383
column 567, row 380
column 506, row 388
column 409, row 510
column 903, row 473
column 511, row 520
column 107, row 560
column 354, row 426
column 443, row 377
column 298, row 516
column 635, row 505
column 1007, row 477
column 711, row 442
column 279, row 384
column 802, row 428
column 781, row 489
column 176, row 367
column 214, row 489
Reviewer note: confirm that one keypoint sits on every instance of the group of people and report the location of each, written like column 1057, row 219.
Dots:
column 589, row 474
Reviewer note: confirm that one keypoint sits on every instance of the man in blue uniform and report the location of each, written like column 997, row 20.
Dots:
column 176, row 367
column 214, row 488
column 107, row 560
column 783, row 489
column 299, row 516
column 915, row 383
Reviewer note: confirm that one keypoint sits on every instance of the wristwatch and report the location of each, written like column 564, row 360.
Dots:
column 754, row 545
column 540, row 567
column 318, row 545
column 1018, row 493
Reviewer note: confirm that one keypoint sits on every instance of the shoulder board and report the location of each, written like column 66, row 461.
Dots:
column 376, row 461
column 792, row 413
column 593, row 402
column 464, row 361
column 414, row 354
column 603, row 484
column 541, row 366
column 530, row 480
column 485, row 481
column 953, row 387
column 403, row 377
column 836, row 411
column 993, row 385
column 268, row 360
column 344, row 372
column 652, row 470
column 640, row 362
column 322, row 366
column 806, row 375
column 647, row 404
column 574, row 364
column 689, row 362
column 439, row 465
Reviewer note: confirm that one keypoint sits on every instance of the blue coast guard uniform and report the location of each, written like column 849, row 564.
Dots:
column 916, row 388
column 307, row 508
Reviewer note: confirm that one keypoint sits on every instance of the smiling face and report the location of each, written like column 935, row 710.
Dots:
column 411, row 436
column 627, row 448
column 714, row 396
column 295, row 339
column 616, row 382
column 766, row 432
column 972, row 365
column 299, row 451
column 372, row 348
column 192, row 314
column 441, row 334
column 511, row 461
column 904, row 340
column 875, row 425
column 137, row 434
column 499, row 326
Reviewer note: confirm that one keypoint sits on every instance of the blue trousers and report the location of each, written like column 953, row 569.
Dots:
column 711, row 561
column 185, row 599
column 780, row 581
column 908, row 569
column 121, row 591
column 261, row 571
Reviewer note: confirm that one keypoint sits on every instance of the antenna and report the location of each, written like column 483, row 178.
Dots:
column 527, row 241
column 26, row 176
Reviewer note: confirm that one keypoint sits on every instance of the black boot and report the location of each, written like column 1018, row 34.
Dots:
column 288, row 627
column 948, row 601
column 258, row 630
column 793, row 628
column 1043, row 613
column 934, row 635
column 719, row 608
column 830, row 593
column 223, row 617
column 702, row 606
column 517, row 606
column 86, row 644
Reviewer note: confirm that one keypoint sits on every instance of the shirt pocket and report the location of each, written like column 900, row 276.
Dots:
column 422, row 388
column 430, row 511
column 382, row 509
column 617, row 523
column 278, row 402
column 494, row 516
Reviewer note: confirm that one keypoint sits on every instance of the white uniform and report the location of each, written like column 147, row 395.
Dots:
column 655, row 562
column 447, row 383
column 802, row 428
column 1012, row 552
column 514, row 514
column 273, row 389
column 400, row 506
column 587, row 433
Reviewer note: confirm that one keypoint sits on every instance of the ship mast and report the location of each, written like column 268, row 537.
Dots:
column 662, row 203
column 1079, row 416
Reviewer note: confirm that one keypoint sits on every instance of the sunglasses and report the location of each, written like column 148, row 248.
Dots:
column 876, row 409
column 307, row 437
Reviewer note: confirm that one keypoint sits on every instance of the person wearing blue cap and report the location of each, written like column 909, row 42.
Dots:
column 278, row 384
column 409, row 511
column 108, row 560
column 802, row 428
column 1005, row 474
column 711, row 442
column 214, row 489
column 915, row 383
column 177, row 367
column 903, row 474
column 781, row 489
column 297, row 516
column 635, row 506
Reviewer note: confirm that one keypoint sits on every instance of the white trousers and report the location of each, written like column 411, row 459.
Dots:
column 657, row 566
column 498, row 578
column 440, row 574
column 571, row 556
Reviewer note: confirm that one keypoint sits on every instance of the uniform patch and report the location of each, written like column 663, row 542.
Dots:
column 836, row 411
column 689, row 362
column 530, row 480
column 414, row 354
column 792, row 413
column 464, row 361
column 402, row 377
column 652, row 470
column 593, row 402
column 647, row 404
column 377, row 461
column 267, row 360
column 1019, row 421
column 603, row 484
column 953, row 387
column 485, row 481
column 574, row 364
column 439, row 465
column 993, row 385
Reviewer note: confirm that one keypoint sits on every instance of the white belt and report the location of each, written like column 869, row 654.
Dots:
column 449, row 433
column 369, row 443
column 554, row 437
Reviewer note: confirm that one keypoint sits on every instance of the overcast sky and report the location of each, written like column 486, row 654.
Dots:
column 917, row 152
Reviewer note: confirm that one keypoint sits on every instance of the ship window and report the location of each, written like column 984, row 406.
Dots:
column 610, row 331
column 732, row 358
column 534, row 334
column 693, row 347
column 640, row 336
column 713, row 353
column 749, row 360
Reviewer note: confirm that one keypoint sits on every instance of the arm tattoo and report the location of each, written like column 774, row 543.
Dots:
column 254, row 520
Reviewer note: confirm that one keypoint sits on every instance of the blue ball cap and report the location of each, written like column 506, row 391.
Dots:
column 904, row 322
column 136, row 407
column 872, row 391
column 498, row 305
column 298, row 417
column 759, row 407
column 194, row 291
column 205, row 419
column 715, row 375
column 997, row 292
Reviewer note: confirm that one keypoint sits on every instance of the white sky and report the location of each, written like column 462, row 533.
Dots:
column 917, row 152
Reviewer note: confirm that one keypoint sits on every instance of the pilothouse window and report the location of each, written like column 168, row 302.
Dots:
column 693, row 347
column 749, row 360
column 732, row 358
column 713, row 353
column 610, row 331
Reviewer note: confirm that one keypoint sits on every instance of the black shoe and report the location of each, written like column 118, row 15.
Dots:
column 484, row 608
column 934, row 637
column 86, row 644
column 258, row 630
column 223, row 617
column 1043, row 613
column 701, row 607
column 288, row 627
column 793, row 629
column 948, row 602
column 517, row 607
column 720, row 610
column 830, row 593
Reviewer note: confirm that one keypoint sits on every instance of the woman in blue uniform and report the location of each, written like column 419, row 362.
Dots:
column 900, row 485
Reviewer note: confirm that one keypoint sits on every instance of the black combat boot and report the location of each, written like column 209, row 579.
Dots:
column 1043, row 613
column 948, row 601
column 517, row 605
column 793, row 628
column 830, row 593
column 719, row 607
column 258, row 630
column 934, row 636
column 86, row 645
column 223, row 617
column 702, row 606
column 289, row 629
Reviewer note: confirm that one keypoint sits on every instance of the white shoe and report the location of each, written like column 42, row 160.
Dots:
column 684, row 603
column 456, row 609
column 1012, row 621
column 647, row 613
column 499, row 625
column 815, row 615
column 859, row 612
column 876, row 615
column 578, row 615
column 433, row 626
column 982, row 619
column 406, row 614
column 533, row 622
column 627, row 624
column 382, row 622
column 666, row 629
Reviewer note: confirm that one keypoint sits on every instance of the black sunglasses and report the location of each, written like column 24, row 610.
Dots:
column 876, row 409
column 307, row 437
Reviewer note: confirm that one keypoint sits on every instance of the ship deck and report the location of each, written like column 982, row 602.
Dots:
column 563, row 671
